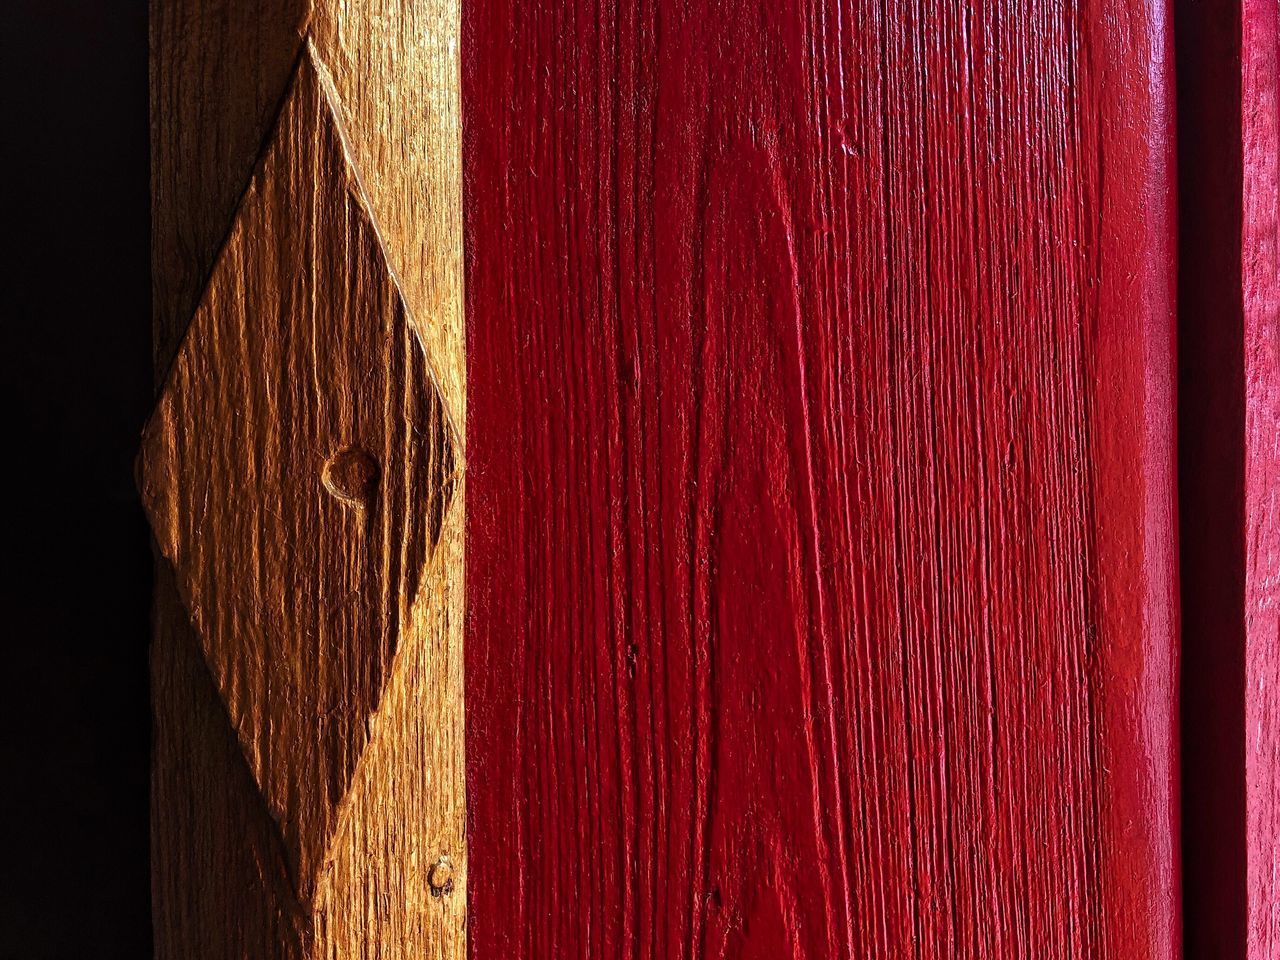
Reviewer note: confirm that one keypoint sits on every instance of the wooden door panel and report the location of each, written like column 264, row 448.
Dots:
column 821, row 551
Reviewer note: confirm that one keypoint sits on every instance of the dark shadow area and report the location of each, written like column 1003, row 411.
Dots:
column 1211, row 478
column 75, row 386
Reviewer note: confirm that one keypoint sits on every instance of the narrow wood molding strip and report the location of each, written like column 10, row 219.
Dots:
column 1260, row 282
column 303, row 476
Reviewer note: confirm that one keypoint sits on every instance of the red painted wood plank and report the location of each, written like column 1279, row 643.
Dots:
column 1261, row 286
column 820, row 453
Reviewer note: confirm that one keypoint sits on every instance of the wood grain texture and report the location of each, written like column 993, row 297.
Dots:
column 302, row 473
column 1261, row 282
column 222, row 66
column 821, row 540
column 1260, row 279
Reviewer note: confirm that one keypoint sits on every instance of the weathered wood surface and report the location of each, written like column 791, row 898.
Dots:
column 1260, row 280
column 821, row 553
column 1229, row 390
column 302, row 473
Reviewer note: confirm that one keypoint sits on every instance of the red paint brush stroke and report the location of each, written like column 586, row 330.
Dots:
column 820, row 453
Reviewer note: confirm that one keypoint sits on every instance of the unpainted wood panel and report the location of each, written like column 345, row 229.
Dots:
column 219, row 72
column 297, row 471
column 303, row 474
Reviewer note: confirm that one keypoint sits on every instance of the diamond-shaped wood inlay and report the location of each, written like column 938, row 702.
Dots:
column 296, row 472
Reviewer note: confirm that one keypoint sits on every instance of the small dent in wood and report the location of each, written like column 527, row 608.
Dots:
column 440, row 877
column 351, row 475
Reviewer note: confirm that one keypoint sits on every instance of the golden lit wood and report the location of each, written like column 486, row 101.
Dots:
column 303, row 476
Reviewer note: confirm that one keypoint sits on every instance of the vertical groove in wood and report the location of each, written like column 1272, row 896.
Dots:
column 1210, row 478
column 821, row 547
column 1229, row 401
column 308, row 790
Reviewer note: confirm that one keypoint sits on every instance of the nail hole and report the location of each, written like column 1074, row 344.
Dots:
column 440, row 879
column 351, row 475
